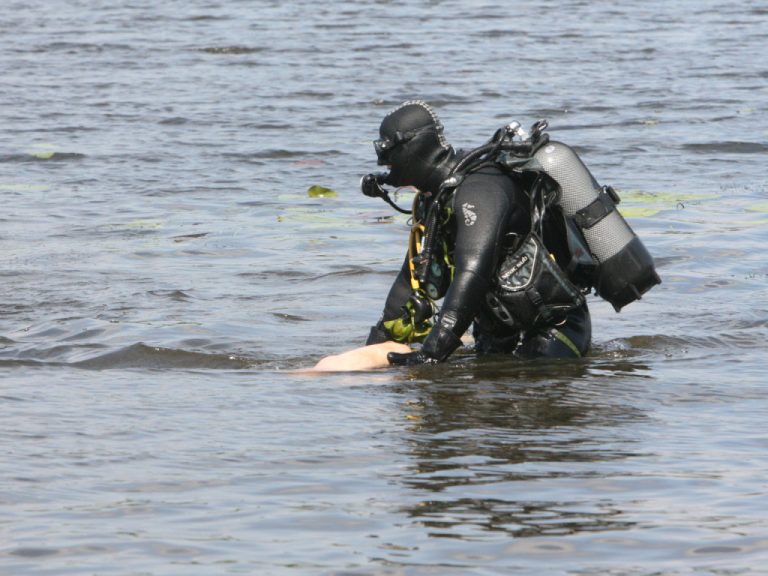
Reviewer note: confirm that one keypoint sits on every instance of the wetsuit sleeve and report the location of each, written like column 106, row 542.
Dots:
column 485, row 210
column 393, row 306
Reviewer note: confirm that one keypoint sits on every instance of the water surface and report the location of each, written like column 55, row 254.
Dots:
column 164, row 270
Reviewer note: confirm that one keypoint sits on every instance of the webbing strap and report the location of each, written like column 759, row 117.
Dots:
column 536, row 299
column 595, row 211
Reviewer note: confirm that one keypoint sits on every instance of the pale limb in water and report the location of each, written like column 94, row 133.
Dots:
column 364, row 358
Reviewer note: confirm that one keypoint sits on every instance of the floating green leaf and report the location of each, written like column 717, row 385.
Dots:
column 663, row 197
column 321, row 192
column 638, row 211
column 43, row 154
column 13, row 187
column 44, row 151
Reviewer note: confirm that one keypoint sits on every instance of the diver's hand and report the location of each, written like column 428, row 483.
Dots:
column 410, row 358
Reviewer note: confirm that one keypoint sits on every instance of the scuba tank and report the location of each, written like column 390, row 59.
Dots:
column 624, row 269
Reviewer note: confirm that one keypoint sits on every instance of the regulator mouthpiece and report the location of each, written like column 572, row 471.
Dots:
column 371, row 184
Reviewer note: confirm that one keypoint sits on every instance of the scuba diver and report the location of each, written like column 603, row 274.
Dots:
column 511, row 236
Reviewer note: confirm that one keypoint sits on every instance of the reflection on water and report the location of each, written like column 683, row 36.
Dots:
column 483, row 436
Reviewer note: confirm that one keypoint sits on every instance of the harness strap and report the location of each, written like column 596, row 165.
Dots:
column 534, row 296
column 415, row 240
column 538, row 301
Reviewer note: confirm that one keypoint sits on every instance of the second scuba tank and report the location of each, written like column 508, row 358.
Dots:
column 625, row 269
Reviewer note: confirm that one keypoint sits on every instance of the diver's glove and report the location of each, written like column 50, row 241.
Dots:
column 409, row 358
column 440, row 344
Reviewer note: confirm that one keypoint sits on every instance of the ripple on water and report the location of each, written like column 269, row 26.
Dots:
column 162, row 266
column 140, row 355
column 42, row 156
column 729, row 147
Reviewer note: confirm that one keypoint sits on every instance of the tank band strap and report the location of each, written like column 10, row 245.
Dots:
column 599, row 208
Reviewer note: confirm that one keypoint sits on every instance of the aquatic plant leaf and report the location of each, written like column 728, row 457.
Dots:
column 663, row 197
column 638, row 211
column 43, row 151
column 14, row 187
column 43, row 155
column 321, row 192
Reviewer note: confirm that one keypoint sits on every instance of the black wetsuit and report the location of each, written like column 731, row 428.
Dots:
column 489, row 209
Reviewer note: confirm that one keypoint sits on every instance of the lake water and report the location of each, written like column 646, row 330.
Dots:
column 164, row 270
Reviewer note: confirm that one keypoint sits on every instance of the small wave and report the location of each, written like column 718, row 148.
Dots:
column 687, row 346
column 41, row 157
column 267, row 126
column 730, row 147
column 276, row 274
column 289, row 317
column 153, row 357
column 346, row 272
column 194, row 190
column 57, row 129
column 73, row 47
column 86, row 334
column 176, row 295
column 174, row 121
column 231, row 50
column 501, row 33
column 274, row 154
column 185, row 237
column 25, row 363
column 314, row 94
column 205, row 17
column 255, row 203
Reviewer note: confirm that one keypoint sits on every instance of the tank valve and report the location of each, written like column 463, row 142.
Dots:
column 513, row 127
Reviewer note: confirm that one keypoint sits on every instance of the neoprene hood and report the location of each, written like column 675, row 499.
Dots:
column 413, row 145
